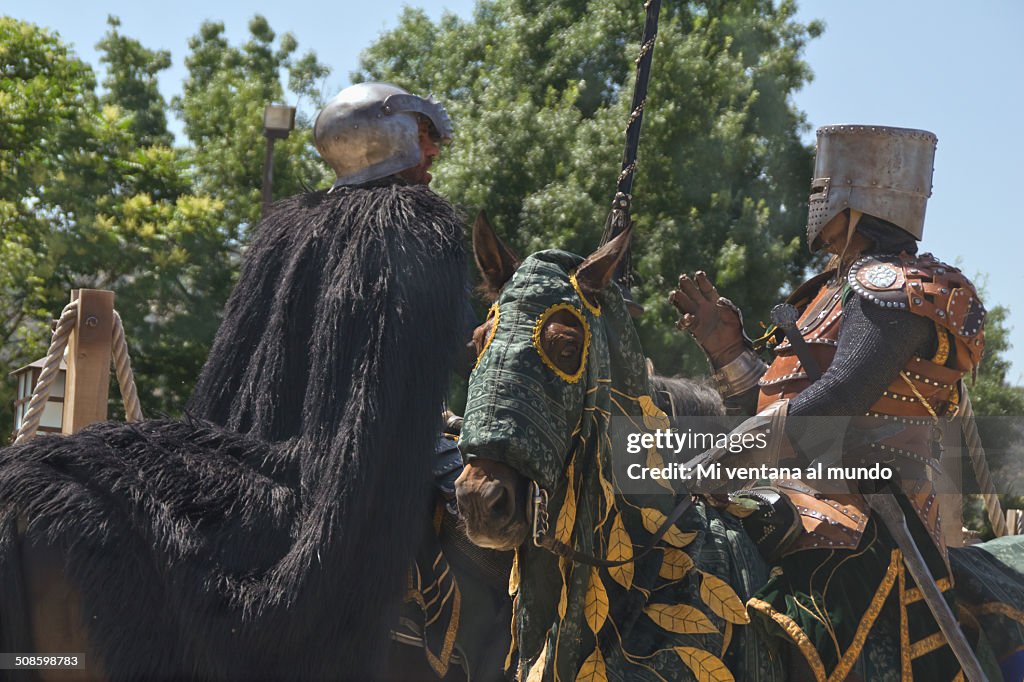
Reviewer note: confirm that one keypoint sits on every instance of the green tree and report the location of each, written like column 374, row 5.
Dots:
column 992, row 393
column 539, row 92
column 93, row 195
column 44, row 92
column 222, row 108
column 131, row 84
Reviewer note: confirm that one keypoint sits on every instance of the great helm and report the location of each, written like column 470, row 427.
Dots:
column 883, row 172
column 370, row 131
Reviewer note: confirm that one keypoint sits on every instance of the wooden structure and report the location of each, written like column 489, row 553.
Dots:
column 90, row 330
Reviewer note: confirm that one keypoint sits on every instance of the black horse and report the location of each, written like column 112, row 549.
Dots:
column 270, row 535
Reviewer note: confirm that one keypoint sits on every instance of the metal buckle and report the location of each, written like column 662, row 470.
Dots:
column 540, row 514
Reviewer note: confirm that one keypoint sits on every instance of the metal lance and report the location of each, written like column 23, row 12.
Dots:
column 784, row 316
column 891, row 515
column 618, row 219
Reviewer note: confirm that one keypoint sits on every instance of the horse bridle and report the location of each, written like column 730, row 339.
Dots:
column 541, row 527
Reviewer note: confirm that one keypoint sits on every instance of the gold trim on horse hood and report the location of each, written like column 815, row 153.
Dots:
column 495, row 311
column 570, row 378
column 595, row 310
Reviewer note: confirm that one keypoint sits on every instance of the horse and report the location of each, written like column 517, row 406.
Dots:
column 558, row 358
column 276, row 531
column 619, row 589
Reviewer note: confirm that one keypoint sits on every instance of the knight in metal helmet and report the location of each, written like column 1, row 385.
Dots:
column 371, row 131
column 879, row 171
column 883, row 336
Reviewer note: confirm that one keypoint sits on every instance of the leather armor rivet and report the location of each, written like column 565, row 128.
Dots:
column 944, row 290
column 940, row 313
column 917, row 301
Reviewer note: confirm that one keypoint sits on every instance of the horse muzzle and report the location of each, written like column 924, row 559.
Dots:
column 492, row 502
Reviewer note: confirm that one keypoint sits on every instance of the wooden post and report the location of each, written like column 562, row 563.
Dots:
column 89, row 347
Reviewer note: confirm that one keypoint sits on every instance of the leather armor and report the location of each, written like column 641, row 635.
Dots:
column 924, row 392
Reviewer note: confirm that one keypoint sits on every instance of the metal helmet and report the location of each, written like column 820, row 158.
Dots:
column 371, row 130
column 881, row 171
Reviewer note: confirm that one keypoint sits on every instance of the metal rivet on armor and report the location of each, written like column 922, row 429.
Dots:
column 940, row 313
column 917, row 301
column 944, row 290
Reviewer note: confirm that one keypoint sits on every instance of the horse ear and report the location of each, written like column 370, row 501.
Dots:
column 494, row 259
column 594, row 273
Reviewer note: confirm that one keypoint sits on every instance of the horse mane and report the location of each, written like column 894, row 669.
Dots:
column 314, row 421
column 682, row 397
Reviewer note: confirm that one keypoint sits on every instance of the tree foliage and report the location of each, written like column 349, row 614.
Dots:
column 540, row 91
column 93, row 196
column 222, row 108
column 131, row 84
column 93, row 192
column 43, row 92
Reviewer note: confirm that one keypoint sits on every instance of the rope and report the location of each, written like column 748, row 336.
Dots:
column 980, row 464
column 123, row 369
column 41, row 392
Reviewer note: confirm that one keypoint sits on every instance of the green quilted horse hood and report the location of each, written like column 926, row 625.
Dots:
column 642, row 619
column 521, row 410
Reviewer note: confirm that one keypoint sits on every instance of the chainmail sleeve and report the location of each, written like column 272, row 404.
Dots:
column 874, row 344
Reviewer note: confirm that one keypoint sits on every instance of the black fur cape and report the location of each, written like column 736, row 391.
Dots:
column 268, row 535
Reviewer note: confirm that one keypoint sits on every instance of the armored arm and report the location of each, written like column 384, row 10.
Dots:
column 874, row 344
column 716, row 324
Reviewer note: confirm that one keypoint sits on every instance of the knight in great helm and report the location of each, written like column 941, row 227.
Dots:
column 885, row 334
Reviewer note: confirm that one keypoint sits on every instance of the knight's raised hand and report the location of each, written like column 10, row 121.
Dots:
column 712, row 320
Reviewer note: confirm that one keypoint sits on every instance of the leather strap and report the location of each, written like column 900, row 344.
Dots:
column 546, row 541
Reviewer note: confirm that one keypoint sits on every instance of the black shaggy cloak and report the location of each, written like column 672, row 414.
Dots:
column 275, row 547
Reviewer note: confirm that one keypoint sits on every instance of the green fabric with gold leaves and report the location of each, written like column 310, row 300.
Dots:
column 676, row 614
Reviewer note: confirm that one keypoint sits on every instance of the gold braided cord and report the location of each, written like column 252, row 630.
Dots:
column 51, row 366
column 539, row 326
column 920, row 397
column 595, row 310
column 494, row 312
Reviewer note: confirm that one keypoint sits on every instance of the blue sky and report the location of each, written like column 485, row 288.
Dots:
column 950, row 67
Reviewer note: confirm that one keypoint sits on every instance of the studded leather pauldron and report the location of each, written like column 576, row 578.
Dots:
column 924, row 390
column 930, row 288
